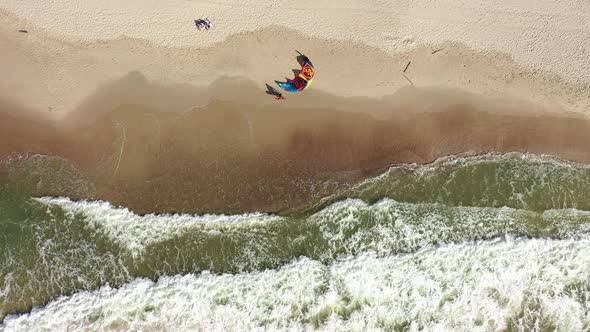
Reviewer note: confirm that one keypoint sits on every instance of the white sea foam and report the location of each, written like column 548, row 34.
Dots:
column 349, row 227
column 135, row 231
column 525, row 284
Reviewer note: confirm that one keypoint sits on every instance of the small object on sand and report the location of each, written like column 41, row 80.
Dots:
column 203, row 24
column 208, row 24
column 23, row 31
column 437, row 50
column 407, row 66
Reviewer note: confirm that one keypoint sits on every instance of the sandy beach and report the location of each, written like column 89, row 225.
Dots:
column 434, row 177
column 121, row 89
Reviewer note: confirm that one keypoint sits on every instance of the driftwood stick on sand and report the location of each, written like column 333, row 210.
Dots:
column 409, row 62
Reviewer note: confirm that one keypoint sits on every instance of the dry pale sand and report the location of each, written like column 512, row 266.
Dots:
column 159, row 116
column 532, row 50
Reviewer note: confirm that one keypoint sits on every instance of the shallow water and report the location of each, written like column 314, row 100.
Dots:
column 499, row 242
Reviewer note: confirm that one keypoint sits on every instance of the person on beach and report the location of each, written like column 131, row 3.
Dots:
column 280, row 97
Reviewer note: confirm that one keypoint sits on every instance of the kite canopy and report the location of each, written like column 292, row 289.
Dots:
column 302, row 80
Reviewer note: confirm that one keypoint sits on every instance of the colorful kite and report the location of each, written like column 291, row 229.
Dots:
column 302, row 80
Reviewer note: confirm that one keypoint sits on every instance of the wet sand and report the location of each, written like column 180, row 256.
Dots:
column 135, row 149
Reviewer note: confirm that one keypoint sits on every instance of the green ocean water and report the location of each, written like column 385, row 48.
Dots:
column 498, row 242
